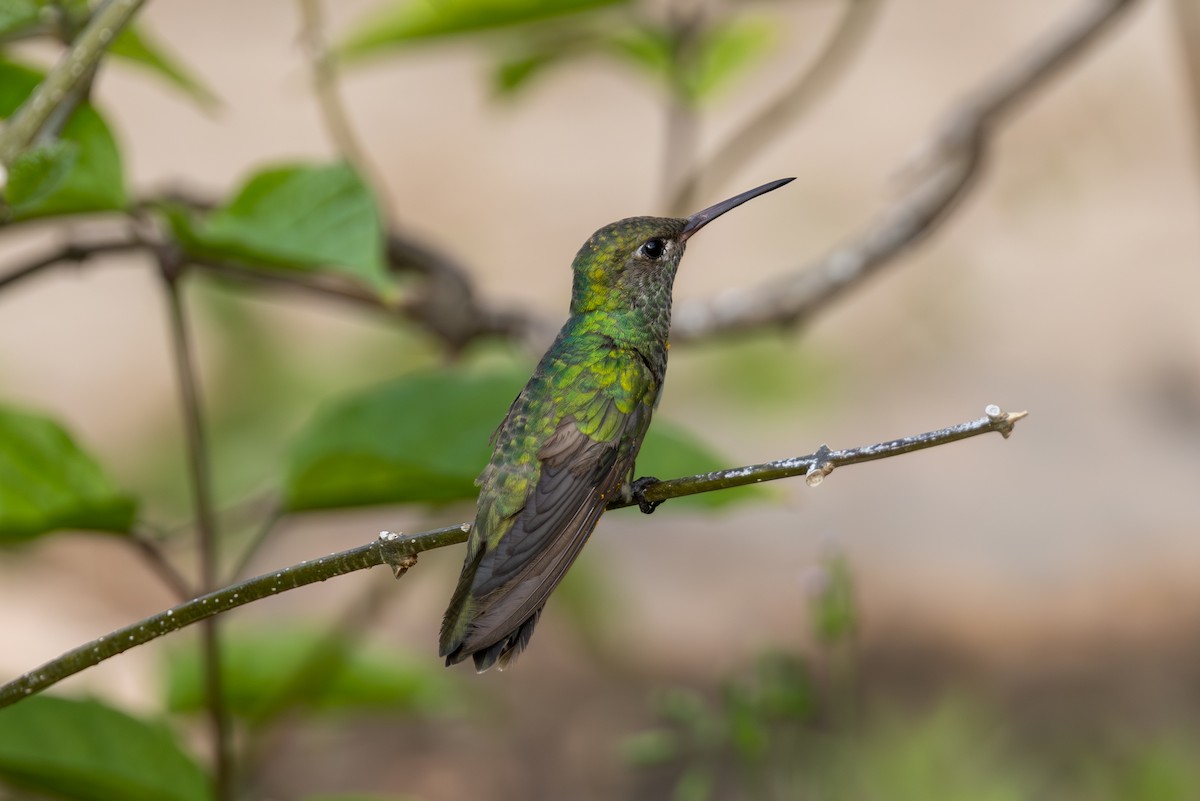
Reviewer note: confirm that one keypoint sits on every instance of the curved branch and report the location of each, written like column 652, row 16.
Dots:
column 946, row 168
column 445, row 303
column 400, row 551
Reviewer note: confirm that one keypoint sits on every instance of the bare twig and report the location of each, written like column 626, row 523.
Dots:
column 73, row 69
column 400, row 551
column 206, row 528
column 445, row 303
column 758, row 131
column 150, row 550
column 329, row 98
column 949, row 163
column 682, row 125
column 76, row 253
column 261, row 533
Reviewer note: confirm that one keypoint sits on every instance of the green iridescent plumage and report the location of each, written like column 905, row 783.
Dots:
column 571, row 437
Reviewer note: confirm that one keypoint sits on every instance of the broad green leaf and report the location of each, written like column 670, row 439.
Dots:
column 423, row 438
column 84, row 750
column 296, row 217
column 95, row 181
column 18, row 16
column 38, row 172
column 136, row 45
column 47, row 482
column 270, row 670
column 403, row 23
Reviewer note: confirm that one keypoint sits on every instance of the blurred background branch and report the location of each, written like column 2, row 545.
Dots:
column 765, row 125
column 943, row 172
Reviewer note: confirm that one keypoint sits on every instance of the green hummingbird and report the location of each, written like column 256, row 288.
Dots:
column 569, row 440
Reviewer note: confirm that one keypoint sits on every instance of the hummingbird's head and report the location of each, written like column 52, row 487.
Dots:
column 631, row 264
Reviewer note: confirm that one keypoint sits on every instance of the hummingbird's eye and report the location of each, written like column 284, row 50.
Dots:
column 653, row 249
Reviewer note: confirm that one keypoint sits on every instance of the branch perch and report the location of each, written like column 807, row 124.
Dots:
column 400, row 551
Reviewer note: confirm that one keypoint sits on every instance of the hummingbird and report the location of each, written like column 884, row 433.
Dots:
column 568, row 444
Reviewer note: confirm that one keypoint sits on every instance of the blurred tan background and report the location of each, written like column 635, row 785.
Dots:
column 1066, row 285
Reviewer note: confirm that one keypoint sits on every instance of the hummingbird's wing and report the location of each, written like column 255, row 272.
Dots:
column 508, row 577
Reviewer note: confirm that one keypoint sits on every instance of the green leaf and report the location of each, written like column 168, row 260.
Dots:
column 725, row 50
column 48, row 483
column 413, row 21
column 421, row 438
column 296, row 217
column 270, row 670
column 722, row 51
column 18, row 16
column 95, row 181
column 87, row 751
column 38, row 172
column 424, row 437
column 647, row 47
column 137, row 46
column 514, row 74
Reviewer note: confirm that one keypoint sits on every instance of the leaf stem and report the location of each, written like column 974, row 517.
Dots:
column 400, row 551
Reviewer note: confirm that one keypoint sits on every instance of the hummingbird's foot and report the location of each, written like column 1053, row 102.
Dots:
column 637, row 492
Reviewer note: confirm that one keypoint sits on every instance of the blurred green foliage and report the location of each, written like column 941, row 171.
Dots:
column 89, row 751
column 690, row 57
column 48, row 483
column 294, row 217
column 83, row 175
column 270, row 671
column 792, row 728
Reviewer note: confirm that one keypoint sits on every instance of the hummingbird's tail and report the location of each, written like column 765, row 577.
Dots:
column 459, row 624
column 503, row 651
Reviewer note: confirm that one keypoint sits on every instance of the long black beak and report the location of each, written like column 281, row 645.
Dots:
column 703, row 218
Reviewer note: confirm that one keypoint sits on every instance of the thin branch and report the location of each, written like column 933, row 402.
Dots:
column 681, row 128
column 261, row 533
column 758, row 131
column 151, row 551
column 950, row 162
column 400, row 551
column 199, row 477
column 329, row 98
column 74, row 253
column 445, row 303
column 74, row 68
